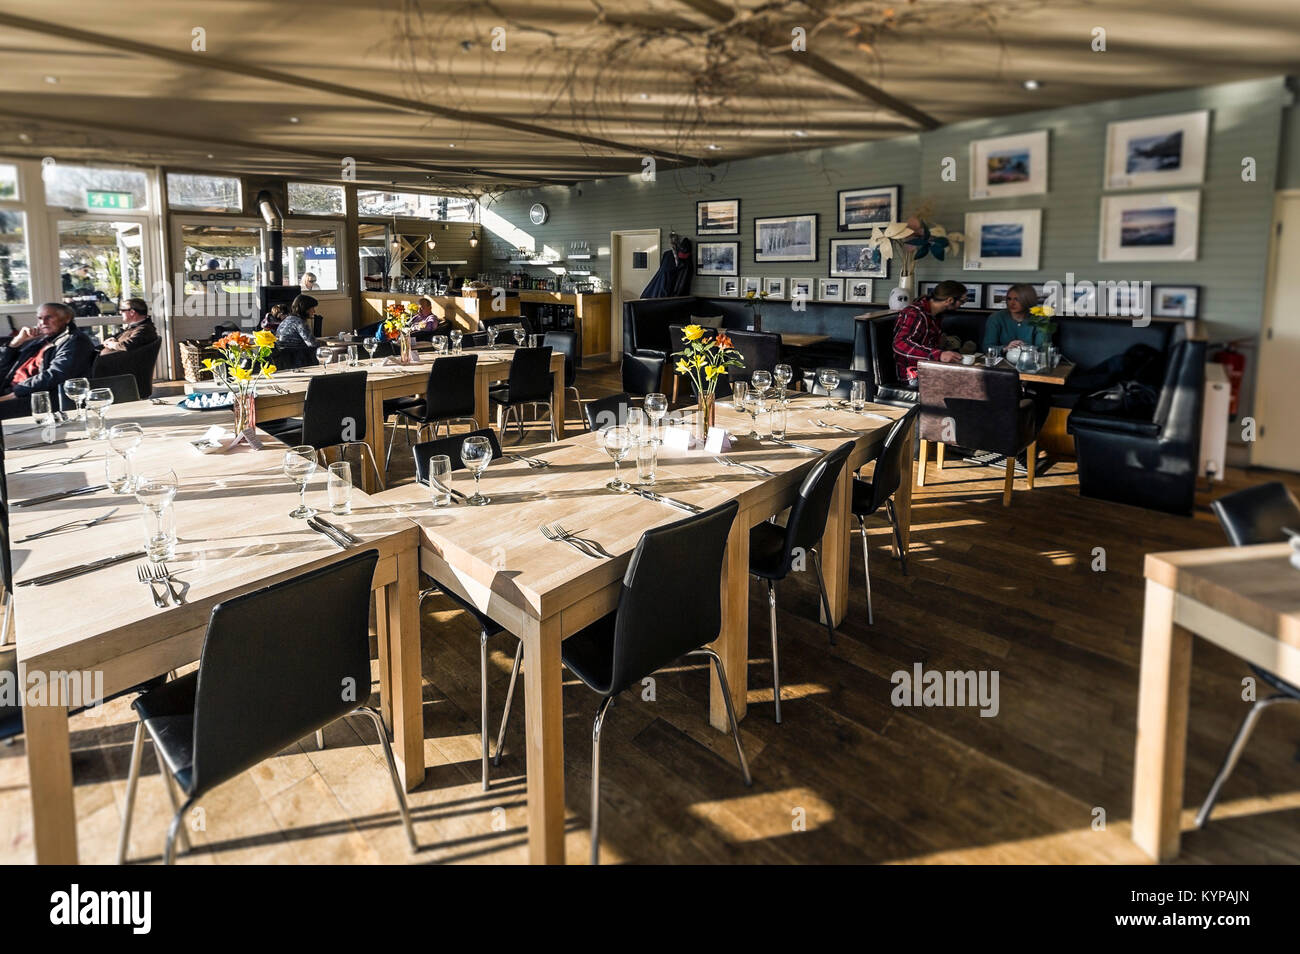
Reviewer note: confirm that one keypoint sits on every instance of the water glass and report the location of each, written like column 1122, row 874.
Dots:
column 617, row 441
column 299, row 465
column 740, row 395
column 353, row 357
column 324, row 356
column 41, row 412
column 440, row 480
column 858, row 396
column 1053, row 356
column 656, row 406
column 778, row 421
column 156, row 490
column 763, row 421
column 638, row 422
column 647, row 453
column 991, row 356
column 75, row 390
column 339, row 487
column 476, row 454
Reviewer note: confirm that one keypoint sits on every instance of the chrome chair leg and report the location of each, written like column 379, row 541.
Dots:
column 170, row 782
column 866, row 568
column 776, row 659
column 367, row 454
column 132, row 781
column 731, row 712
column 392, row 771
column 320, row 739
column 169, row 846
column 483, row 700
column 825, row 597
column 1234, row 753
column 595, row 778
column 898, row 536
column 510, row 696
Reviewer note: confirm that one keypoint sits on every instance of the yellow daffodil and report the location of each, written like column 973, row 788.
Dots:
column 1043, row 311
column 268, row 369
column 682, row 367
column 264, row 339
column 693, row 332
column 208, row 363
column 241, row 374
column 698, row 361
column 712, row 371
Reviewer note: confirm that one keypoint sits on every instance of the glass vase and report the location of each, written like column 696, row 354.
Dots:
column 404, row 347
column 704, row 418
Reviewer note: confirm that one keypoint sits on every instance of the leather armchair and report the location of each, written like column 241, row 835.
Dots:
column 889, row 389
column 1148, row 463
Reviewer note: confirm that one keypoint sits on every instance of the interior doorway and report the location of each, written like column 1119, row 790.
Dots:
column 634, row 258
column 1277, row 431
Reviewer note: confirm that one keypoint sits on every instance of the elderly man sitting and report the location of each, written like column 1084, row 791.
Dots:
column 41, row 358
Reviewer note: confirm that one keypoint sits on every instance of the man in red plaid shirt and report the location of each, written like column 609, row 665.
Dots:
column 916, row 331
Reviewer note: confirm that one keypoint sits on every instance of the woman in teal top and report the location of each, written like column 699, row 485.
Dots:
column 1010, row 326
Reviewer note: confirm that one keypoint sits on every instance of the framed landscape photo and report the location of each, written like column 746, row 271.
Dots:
column 974, row 293
column 830, row 289
column 1156, row 152
column 857, row 290
column 717, row 258
column 1175, row 301
column 1126, row 299
column 728, row 288
column 1152, row 227
column 801, row 288
column 717, row 217
column 995, row 295
column 1003, row 241
column 775, row 287
column 748, row 285
column 786, row 238
column 867, row 208
column 1009, row 166
column 855, row 258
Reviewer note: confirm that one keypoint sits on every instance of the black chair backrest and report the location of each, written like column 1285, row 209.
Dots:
column 530, row 375
column 1258, row 514
column 123, row 386
column 970, row 405
column 451, row 447
column 671, row 599
column 279, row 663
column 807, row 521
column 334, row 409
column 506, row 326
column 476, row 339
column 138, row 362
column 642, row 375
column 888, row 473
column 881, row 336
column 844, row 389
column 608, row 411
column 450, row 391
column 565, row 342
column 759, row 350
column 1178, row 409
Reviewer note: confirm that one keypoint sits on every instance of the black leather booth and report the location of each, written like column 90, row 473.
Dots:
column 646, row 321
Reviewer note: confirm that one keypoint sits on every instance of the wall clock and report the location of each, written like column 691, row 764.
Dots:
column 538, row 213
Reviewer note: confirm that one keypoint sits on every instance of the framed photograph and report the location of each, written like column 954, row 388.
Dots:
column 717, row 217
column 1083, row 299
column 1152, row 227
column 867, row 208
column 801, row 288
column 786, row 238
column 1009, row 166
column 748, row 285
column 1175, row 301
column 728, row 288
column 1048, row 295
column 857, row 290
column 1156, row 152
column 1003, row 241
column 775, row 287
column 830, row 289
column 717, row 258
column 974, row 293
column 1126, row 299
column 855, row 258
column 995, row 295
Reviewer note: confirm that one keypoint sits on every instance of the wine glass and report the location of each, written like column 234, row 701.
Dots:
column 617, row 442
column 440, row 344
column 156, row 490
column 782, row 374
column 638, row 424
column 371, row 345
column 98, row 401
column 476, row 454
column 456, row 336
column 829, row 379
column 762, row 382
column 124, row 439
column 75, row 390
column 656, row 406
column 325, row 356
column 492, row 331
column 299, row 465
column 520, row 335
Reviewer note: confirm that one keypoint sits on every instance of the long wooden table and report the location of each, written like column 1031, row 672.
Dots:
column 234, row 535
column 1244, row 599
column 543, row 591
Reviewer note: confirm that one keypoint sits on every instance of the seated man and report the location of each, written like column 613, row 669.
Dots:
column 138, row 332
column 423, row 324
column 41, row 358
column 916, row 331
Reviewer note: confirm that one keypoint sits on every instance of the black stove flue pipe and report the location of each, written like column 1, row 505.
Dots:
column 275, row 225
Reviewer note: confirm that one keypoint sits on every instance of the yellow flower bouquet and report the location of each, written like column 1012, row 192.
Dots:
column 703, row 361
column 243, row 360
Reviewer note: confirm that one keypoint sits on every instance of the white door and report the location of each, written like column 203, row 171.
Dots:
column 634, row 260
column 1277, row 441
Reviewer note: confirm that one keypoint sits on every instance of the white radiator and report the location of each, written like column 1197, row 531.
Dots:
column 1214, row 422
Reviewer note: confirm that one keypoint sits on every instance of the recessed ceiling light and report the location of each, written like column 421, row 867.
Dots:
column 645, row 95
column 1032, row 84
column 24, row 137
column 294, row 119
column 451, row 145
column 713, row 147
column 51, row 79
column 210, row 156
column 800, row 133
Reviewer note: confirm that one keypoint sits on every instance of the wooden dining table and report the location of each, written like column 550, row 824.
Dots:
column 543, row 591
column 1243, row 599
column 234, row 535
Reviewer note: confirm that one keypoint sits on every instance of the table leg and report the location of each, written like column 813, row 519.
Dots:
column 732, row 644
column 835, row 549
column 375, row 438
column 49, row 770
column 1162, row 726
column 557, row 399
column 903, row 495
column 402, row 607
column 544, row 707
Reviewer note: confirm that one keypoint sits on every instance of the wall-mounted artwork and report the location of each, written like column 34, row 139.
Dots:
column 1175, row 301
column 830, row 289
column 1009, row 166
column 717, row 258
column 801, row 288
column 974, row 293
column 775, row 287
column 855, row 258
column 717, row 217
column 728, row 287
column 867, row 208
column 857, row 290
column 1152, row 227
column 1156, row 152
column 751, row 286
column 786, row 238
column 1003, row 241
column 1125, row 299
column 995, row 294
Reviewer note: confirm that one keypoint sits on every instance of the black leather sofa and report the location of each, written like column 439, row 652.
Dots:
column 646, row 321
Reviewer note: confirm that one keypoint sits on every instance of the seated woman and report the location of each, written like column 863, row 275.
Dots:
column 1010, row 328
column 274, row 317
column 293, row 338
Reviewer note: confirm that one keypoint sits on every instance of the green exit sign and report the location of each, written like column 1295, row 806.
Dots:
column 108, row 200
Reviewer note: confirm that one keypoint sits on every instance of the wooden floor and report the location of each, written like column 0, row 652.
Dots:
column 848, row 777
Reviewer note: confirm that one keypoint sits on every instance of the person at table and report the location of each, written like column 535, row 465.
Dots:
column 309, row 282
column 1010, row 327
column 41, row 357
column 138, row 332
column 293, row 337
column 423, row 321
column 917, row 333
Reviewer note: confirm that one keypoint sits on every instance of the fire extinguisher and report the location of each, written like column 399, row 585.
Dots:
column 1234, row 364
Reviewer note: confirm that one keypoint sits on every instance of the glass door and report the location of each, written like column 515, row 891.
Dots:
column 102, row 261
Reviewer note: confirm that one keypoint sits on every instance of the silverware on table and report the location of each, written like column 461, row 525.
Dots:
column 535, row 462
column 593, row 545
column 330, row 532
column 162, row 574
column 144, row 573
column 59, row 575
column 350, row 538
column 550, row 533
column 438, row 485
column 61, row 494
column 670, row 501
column 83, row 524
column 746, row 465
column 839, row 427
column 40, row 444
column 49, row 463
column 805, row 447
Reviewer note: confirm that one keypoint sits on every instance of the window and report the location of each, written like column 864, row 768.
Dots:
column 313, row 251
column 95, row 189
column 373, row 253
column 208, row 250
column 309, row 198
column 8, row 182
column 15, row 269
column 100, row 263
column 415, row 205
column 204, row 193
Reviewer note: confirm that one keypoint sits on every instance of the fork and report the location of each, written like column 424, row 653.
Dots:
column 162, row 575
column 534, row 462
column 86, row 524
column 839, row 427
column 589, row 544
column 753, row 468
column 550, row 533
column 144, row 573
column 60, row 461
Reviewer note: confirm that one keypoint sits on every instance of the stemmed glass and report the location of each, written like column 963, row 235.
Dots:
column 617, row 442
column 782, row 374
column 371, row 345
column 299, row 465
column 492, row 331
column 656, row 406
column 456, row 335
column 476, row 454
column 325, row 356
column 829, row 379
column 124, row 439
column 762, row 382
column 156, row 490
column 97, row 405
column 638, row 425
column 520, row 335
column 75, row 390
column 440, row 344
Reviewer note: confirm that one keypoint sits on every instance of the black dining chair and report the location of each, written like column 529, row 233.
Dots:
column 774, row 550
column 566, row 343
column 870, row 494
column 609, row 411
column 529, row 384
column 642, row 375
column 670, row 606
column 124, row 387
column 1260, row 514
column 229, row 715
column 488, row 627
column 475, row 339
column 333, row 415
column 138, row 362
column 448, row 399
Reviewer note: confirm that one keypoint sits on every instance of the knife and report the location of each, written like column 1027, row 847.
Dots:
column 438, row 485
column 330, row 531
column 59, row 496
column 783, row 443
column 56, row 460
column 338, row 542
column 59, row 575
column 347, row 535
column 660, row 498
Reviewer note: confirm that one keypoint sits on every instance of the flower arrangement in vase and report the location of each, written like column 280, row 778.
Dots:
column 703, row 361
column 752, row 298
column 908, row 241
column 401, row 321
column 243, row 360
